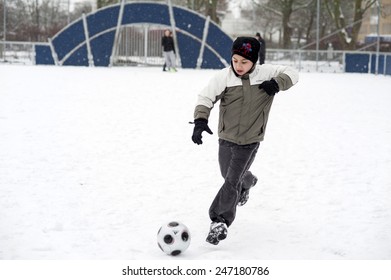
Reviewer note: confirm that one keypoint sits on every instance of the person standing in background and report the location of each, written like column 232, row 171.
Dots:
column 169, row 51
column 262, row 49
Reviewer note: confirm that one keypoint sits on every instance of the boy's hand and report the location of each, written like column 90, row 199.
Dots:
column 271, row 87
column 200, row 125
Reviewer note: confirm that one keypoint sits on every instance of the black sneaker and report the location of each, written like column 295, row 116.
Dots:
column 218, row 231
column 245, row 194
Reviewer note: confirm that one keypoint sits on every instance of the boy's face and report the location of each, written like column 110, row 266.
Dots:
column 241, row 65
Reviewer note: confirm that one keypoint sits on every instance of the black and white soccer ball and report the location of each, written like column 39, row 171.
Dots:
column 173, row 238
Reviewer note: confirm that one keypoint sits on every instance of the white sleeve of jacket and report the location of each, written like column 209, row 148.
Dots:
column 210, row 94
column 285, row 76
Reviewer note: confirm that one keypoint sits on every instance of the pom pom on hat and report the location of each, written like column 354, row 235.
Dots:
column 248, row 47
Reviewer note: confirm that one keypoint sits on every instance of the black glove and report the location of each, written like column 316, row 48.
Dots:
column 271, row 87
column 200, row 125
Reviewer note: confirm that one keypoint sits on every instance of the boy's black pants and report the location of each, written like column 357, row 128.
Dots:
column 235, row 161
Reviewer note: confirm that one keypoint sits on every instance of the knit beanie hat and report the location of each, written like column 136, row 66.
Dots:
column 248, row 47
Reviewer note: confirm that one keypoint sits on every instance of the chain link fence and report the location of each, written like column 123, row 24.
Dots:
column 308, row 61
column 17, row 52
column 141, row 46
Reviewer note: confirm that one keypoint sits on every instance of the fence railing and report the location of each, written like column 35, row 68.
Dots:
column 306, row 61
column 17, row 52
column 146, row 50
column 332, row 61
column 140, row 45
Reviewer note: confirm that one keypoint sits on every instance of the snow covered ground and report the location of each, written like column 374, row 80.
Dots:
column 93, row 161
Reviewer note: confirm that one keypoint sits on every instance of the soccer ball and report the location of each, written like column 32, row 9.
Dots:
column 173, row 238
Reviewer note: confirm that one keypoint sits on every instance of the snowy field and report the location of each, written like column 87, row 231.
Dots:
column 93, row 161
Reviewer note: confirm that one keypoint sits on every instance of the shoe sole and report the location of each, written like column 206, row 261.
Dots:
column 213, row 242
column 223, row 234
column 244, row 202
column 220, row 237
column 248, row 192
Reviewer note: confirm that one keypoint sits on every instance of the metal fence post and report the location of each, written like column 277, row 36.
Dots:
column 116, row 36
column 87, row 35
column 4, row 26
column 378, row 38
column 145, row 44
column 54, row 53
column 204, row 36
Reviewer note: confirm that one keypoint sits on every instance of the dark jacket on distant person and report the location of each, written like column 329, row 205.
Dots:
column 168, row 44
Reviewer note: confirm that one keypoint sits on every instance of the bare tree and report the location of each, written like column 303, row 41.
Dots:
column 103, row 3
column 284, row 9
column 206, row 7
column 32, row 20
column 348, row 34
column 20, row 25
column 303, row 22
column 45, row 18
column 211, row 10
column 80, row 9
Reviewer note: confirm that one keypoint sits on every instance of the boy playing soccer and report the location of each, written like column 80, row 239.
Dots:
column 246, row 91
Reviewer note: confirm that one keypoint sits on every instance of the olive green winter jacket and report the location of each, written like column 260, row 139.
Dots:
column 244, row 108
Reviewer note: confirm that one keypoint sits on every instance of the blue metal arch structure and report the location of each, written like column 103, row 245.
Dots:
column 90, row 41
